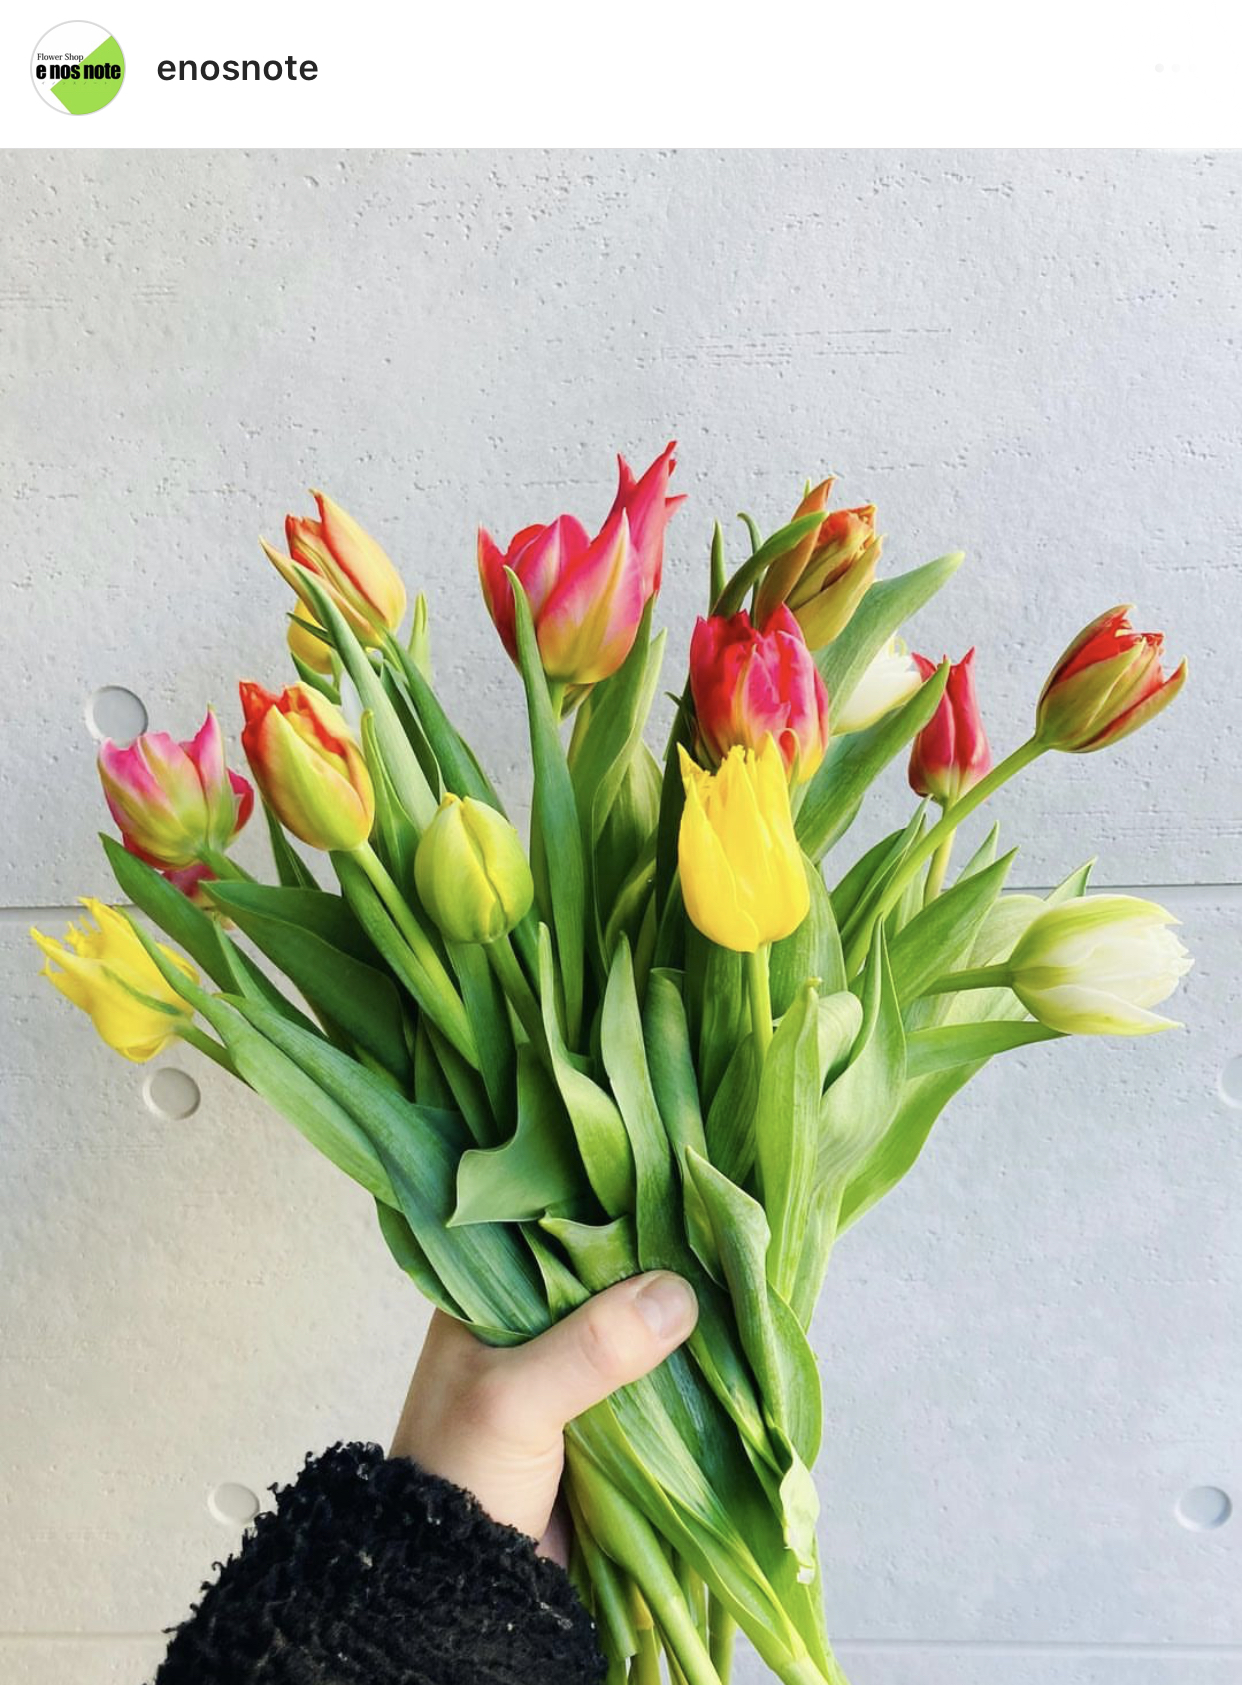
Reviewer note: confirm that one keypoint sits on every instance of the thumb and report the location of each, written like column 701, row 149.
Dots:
column 616, row 1337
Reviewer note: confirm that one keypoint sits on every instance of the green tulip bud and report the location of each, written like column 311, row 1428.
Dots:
column 471, row 872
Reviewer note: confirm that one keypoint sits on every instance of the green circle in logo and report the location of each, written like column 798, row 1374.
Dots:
column 77, row 68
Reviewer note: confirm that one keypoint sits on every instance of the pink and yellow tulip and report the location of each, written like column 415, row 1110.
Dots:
column 348, row 563
column 310, row 770
column 174, row 801
column 586, row 595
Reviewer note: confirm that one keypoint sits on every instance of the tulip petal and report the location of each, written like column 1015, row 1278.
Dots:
column 591, row 618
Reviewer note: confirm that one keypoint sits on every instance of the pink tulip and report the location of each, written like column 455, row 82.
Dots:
column 587, row 595
column 748, row 683
column 175, row 801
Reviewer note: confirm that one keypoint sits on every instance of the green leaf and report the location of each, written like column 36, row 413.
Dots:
column 942, row 1046
column 484, row 1001
column 625, row 1059
column 835, row 793
column 484, row 1267
column 787, row 1135
column 671, row 1063
column 730, row 1124
column 193, row 929
column 600, row 1133
column 858, row 1106
column 752, row 570
column 557, row 816
column 459, row 766
column 983, row 856
column 887, row 605
column 921, row 1103
column 936, row 940
column 716, row 997
column 410, row 1257
column 535, row 1171
column 408, row 778
column 874, row 866
column 813, row 950
column 672, row 801
column 601, row 1253
column 396, row 835
column 291, row 869
column 313, row 939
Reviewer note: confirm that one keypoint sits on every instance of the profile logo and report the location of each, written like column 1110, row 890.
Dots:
column 78, row 68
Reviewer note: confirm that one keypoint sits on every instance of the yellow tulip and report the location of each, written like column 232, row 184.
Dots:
column 742, row 877
column 107, row 972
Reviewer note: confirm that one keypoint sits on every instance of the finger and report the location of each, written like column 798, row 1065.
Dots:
column 614, row 1338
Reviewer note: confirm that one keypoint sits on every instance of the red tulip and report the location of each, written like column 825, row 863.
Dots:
column 747, row 684
column 951, row 754
column 1108, row 683
column 587, row 595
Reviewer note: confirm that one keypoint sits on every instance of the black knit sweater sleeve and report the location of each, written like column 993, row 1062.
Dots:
column 371, row 1572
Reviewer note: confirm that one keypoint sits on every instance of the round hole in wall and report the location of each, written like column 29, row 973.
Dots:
column 232, row 1504
column 117, row 713
column 170, row 1093
column 1204, row 1508
column 1230, row 1081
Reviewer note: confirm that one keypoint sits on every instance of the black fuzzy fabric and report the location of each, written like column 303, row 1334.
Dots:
column 371, row 1572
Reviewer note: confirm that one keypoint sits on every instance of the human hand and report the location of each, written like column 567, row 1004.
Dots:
column 492, row 1419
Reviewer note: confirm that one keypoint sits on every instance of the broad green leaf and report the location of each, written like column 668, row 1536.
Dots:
column 840, row 1019
column 942, row 1046
column 410, row 1257
column 835, row 793
column 601, row 1253
column 672, row 801
column 730, row 1125
column 313, row 939
column 858, row 1106
column 717, row 1006
column 561, row 839
column 812, row 952
column 887, row 605
column 459, row 766
column 536, row 1170
column 873, row 867
column 395, row 834
column 921, row 1103
column 935, row 940
column 787, row 1130
column 983, row 856
column 484, row 1001
column 600, row 1133
column 484, row 1267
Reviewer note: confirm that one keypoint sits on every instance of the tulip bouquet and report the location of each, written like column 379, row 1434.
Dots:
column 654, row 1038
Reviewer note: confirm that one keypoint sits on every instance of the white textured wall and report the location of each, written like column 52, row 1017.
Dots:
column 1032, row 1352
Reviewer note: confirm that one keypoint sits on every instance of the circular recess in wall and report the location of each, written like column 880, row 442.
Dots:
column 170, row 1093
column 232, row 1504
column 1204, row 1508
column 117, row 713
column 1230, row 1080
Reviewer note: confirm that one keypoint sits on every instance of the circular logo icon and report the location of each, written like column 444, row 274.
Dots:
column 78, row 68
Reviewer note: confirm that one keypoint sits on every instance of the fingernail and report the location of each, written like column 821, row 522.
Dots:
column 668, row 1306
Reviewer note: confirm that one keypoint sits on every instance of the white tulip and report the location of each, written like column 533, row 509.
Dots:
column 890, row 679
column 1096, row 966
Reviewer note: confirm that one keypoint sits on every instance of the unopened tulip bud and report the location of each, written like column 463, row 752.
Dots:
column 109, row 974
column 1108, row 683
column 471, row 872
column 826, row 576
column 1097, row 965
column 891, row 678
column 747, row 684
column 348, row 563
column 175, row 801
column 310, row 770
column 951, row 754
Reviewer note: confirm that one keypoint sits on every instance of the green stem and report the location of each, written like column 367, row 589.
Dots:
column 194, row 1037
column 978, row 977
column 936, row 871
column 556, row 696
column 512, row 979
column 444, row 1004
column 722, row 1634
column 760, row 997
column 645, row 1668
column 927, row 846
